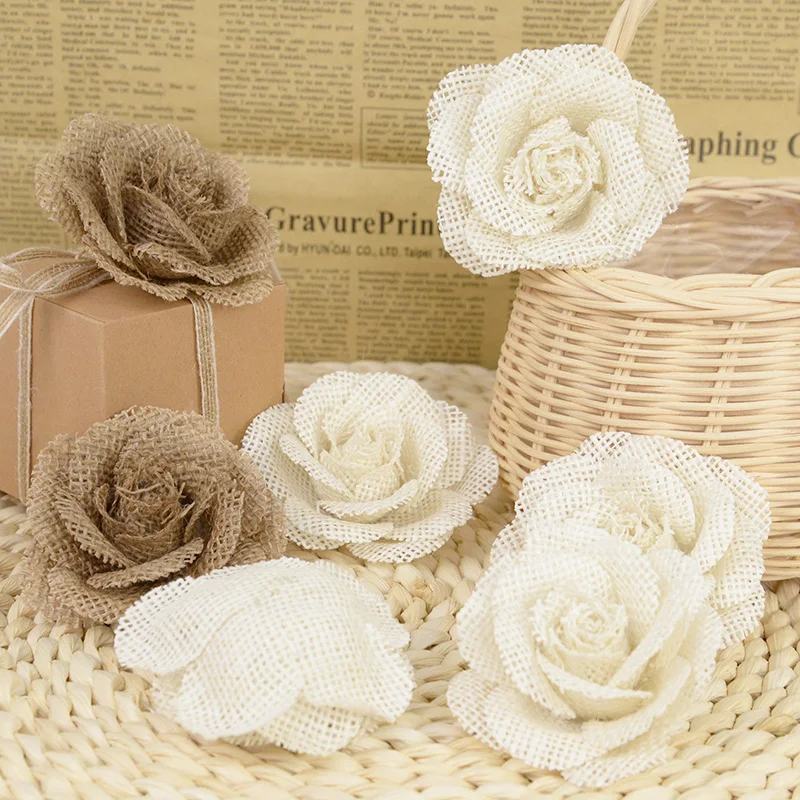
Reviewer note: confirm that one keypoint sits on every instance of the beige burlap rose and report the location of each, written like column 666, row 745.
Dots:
column 157, row 210
column 145, row 497
column 373, row 462
column 552, row 158
column 586, row 654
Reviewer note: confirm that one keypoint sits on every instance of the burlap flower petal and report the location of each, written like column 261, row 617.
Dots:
column 418, row 530
column 324, row 481
column 70, row 599
column 67, row 187
column 461, row 447
column 641, row 754
column 166, row 566
column 307, row 518
column 314, row 730
column 458, row 96
column 480, row 477
column 301, row 656
column 77, row 523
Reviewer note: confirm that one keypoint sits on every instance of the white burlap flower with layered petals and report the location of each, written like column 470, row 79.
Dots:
column 660, row 493
column 373, row 462
column 288, row 652
column 552, row 158
column 587, row 659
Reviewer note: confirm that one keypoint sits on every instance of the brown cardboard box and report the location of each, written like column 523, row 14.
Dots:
column 103, row 350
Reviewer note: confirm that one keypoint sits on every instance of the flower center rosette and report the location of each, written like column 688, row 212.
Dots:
column 372, row 462
column 552, row 158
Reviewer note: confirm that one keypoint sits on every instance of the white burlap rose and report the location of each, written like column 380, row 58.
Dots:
column 586, row 658
column 371, row 461
column 660, row 493
column 289, row 652
column 552, row 158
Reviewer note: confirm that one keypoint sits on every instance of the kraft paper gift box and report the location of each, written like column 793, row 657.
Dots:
column 102, row 350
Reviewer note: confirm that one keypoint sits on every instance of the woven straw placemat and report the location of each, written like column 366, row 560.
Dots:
column 74, row 725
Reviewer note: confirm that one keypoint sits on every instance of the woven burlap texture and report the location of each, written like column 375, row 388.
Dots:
column 552, row 158
column 372, row 462
column 288, row 652
column 660, row 494
column 586, row 654
column 145, row 497
column 76, row 725
column 156, row 210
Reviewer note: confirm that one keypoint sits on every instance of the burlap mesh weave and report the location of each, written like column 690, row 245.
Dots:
column 157, row 210
column 295, row 653
column 552, row 158
column 372, row 462
column 140, row 499
column 585, row 658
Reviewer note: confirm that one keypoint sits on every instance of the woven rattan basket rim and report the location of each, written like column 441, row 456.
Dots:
column 748, row 191
column 712, row 295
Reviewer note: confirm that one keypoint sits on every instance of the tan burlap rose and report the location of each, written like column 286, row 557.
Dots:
column 156, row 210
column 145, row 497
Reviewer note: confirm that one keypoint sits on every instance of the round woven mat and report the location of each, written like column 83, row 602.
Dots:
column 74, row 725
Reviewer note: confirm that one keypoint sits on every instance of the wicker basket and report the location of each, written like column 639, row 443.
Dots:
column 698, row 338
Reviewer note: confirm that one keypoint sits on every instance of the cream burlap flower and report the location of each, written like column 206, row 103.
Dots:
column 584, row 657
column 289, row 652
column 142, row 498
column 373, row 462
column 662, row 494
column 155, row 209
column 552, row 158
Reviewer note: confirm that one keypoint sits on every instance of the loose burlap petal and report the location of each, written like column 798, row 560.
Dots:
column 145, row 497
column 288, row 652
column 158, row 211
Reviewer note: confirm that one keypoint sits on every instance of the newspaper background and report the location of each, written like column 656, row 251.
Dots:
column 324, row 103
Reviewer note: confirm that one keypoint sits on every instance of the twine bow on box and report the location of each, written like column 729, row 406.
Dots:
column 150, row 208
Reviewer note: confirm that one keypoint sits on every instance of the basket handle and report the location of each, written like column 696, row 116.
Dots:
column 630, row 15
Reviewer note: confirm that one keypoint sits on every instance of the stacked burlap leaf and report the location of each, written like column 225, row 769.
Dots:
column 299, row 654
column 156, row 210
column 145, row 497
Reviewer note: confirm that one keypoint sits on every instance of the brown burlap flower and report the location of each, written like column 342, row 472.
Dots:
column 156, row 210
column 145, row 497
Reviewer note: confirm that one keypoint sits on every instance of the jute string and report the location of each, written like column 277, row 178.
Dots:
column 76, row 273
